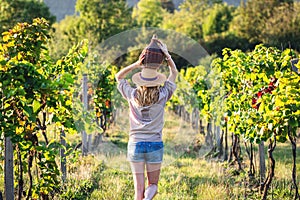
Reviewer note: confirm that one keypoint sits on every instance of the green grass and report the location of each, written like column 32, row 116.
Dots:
column 196, row 178
column 186, row 173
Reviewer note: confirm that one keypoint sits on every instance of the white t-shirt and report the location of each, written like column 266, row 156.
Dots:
column 146, row 123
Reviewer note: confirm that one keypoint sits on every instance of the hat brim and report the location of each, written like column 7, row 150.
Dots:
column 160, row 79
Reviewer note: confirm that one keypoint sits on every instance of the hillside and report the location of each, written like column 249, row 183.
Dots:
column 61, row 8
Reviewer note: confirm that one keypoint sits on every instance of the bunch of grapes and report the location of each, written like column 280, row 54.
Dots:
column 263, row 91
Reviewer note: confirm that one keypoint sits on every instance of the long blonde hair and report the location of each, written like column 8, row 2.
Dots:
column 146, row 96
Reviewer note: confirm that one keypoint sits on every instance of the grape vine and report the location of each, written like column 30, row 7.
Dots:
column 259, row 93
column 36, row 93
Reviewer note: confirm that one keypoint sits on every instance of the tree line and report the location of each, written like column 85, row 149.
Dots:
column 212, row 23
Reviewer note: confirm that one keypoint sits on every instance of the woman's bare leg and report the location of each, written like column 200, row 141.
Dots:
column 153, row 173
column 137, row 169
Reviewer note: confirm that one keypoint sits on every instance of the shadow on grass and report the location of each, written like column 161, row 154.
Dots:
column 283, row 153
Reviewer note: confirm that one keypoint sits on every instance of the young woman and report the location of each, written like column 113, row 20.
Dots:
column 146, row 114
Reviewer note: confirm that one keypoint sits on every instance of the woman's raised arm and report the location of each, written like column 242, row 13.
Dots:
column 123, row 72
column 171, row 64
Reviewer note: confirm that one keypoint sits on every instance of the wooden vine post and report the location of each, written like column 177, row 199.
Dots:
column 262, row 164
column 9, row 169
column 85, row 107
column 63, row 162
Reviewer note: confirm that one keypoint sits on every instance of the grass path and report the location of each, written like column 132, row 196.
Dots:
column 192, row 179
column 186, row 175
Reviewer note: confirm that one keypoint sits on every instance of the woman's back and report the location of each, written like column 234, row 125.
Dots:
column 146, row 122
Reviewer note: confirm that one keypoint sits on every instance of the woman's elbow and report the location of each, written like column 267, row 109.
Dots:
column 117, row 77
column 175, row 73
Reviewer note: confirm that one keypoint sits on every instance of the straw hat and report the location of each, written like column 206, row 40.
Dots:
column 148, row 77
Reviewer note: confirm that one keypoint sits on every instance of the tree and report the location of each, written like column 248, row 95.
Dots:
column 189, row 18
column 148, row 13
column 97, row 21
column 102, row 19
column 216, row 29
column 14, row 11
column 215, row 43
column 283, row 28
column 64, row 35
column 218, row 19
column 266, row 21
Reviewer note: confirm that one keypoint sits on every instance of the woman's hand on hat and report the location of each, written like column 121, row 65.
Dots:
column 141, row 58
column 163, row 47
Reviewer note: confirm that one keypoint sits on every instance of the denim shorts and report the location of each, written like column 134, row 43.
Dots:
column 148, row 152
